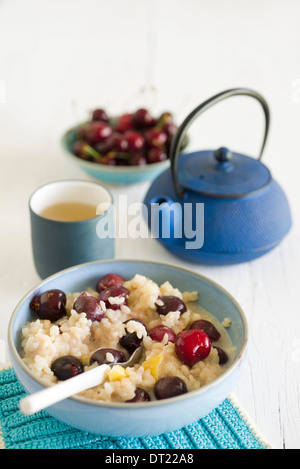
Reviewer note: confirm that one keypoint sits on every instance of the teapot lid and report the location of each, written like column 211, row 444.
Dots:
column 220, row 173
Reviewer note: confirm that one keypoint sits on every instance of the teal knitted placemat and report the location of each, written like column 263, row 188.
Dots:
column 224, row 428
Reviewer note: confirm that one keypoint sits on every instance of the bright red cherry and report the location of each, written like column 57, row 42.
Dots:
column 135, row 140
column 192, row 346
column 98, row 131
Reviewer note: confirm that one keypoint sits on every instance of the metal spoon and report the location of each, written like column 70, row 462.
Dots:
column 40, row 400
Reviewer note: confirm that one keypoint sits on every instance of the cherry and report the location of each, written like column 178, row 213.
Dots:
column 137, row 159
column 97, row 131
column 155, row 138
column 109, row 280
column 192, row 346
column 156, row 155
column 100, row 115
column 169, row 386
column 114, row 292
column 223, row 357
column 208, row 328
column 142, row 118
column 100, row 356
column 140, row 396
column 66, row 367
column 119, row 142
column 157, row 333
column 124, row 123
column 135, row 140
column 130, row 341
column 85, row 151
column 89, row 305
column 170, row 303
column 50, row 305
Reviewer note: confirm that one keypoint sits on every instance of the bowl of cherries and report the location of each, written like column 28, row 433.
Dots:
column 130, row 148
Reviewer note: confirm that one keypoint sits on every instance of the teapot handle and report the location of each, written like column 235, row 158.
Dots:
column 179, row 136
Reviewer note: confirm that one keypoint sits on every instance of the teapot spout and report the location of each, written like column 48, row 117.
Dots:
column 165, row 219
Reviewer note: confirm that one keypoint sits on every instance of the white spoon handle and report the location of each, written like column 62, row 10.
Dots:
column 35, row 402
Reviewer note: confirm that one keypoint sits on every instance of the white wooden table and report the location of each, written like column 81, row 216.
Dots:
column 60, row 59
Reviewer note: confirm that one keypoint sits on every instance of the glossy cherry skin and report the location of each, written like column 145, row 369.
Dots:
column 114, row 291
column 157, row 333
column 97, row 131
column 209, row 328
column 130, row 341
column 109, row 280
column 135, row 140
column 155, row 138
column 89, row 305
column 170, row 303
column 49, row 305
column 169, row 386
column 192, row 346
column 140, row 396
column 66, row 367
column 100, row 356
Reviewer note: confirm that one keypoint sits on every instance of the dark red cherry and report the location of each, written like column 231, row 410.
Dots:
column 157, row 333
column 137, row 159
column 223, row 357
column 114, row 292
column 155, row 138
column 49, row 305
column 142, row 118
column 100, row 115
column 156, row 155
column 169, row 386
column 135, row 140
column 124, row 123
column 97, row 132
column 192, row 346
column 66, row 367
column 100, row 356
column 109, row 280
column 89, row 305
column 130, row 341
column 140, row 396
column 208, row 328
column 170, row 303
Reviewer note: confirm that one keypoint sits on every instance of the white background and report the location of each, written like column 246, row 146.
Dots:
column 61, row 59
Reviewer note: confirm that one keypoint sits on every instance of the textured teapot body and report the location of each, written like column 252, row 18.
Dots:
column 234, row 230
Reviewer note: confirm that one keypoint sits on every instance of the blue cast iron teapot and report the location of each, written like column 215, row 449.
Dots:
column 217, row 207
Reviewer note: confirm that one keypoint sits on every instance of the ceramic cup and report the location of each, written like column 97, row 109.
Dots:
column 57, row 245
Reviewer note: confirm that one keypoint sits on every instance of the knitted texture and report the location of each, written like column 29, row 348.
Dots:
column 224, row 428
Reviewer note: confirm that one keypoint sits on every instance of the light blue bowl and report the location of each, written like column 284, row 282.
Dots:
column 139, row 419
column 113, row 174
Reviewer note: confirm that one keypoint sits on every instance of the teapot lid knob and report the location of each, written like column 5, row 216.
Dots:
column 223, row 155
